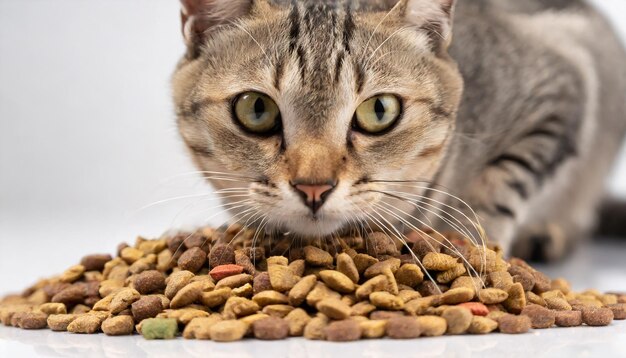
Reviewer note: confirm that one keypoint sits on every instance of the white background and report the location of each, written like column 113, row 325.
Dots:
column 87, row 130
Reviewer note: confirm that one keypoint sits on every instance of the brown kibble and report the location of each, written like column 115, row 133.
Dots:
column 176, row 282
column 337, row 281
column 403, row 328
column 95, row 262
column 500, row 279
column 267, row 298
column 72, row 274
column 149, row 282
column 200, row 327
column 188, row 295
column 118, row 326
column 568, row 318
column 85, row 323
column 280, row 311
column 373, row 328
column 386, row 300
column 221, row 254
column 146, row 307
column 535, row 299
column 439, row 262
column 517, row 298
column 262, row 282
column 523, row 276
column 492, row 296
column 70, row 296
column 512, row 324
column 297, row 267
column 432, row 326
column 236, row 307
column 346, row 266
column 557, row 303
column 216, row 297
column 131, row 254
column 429, row 288
column 458, row 319
column 33, row 320
column 243, row 260
column 409, row 275
column 619, row 311
column 482, row 325
column 540, row 317
column 297, row 320
column 451, row 274
column 281, row 277
column 379, row 244
column 376, row 284
column 363, row 262
column 315, row 328
column 317, row 257
column 343, row 331
column 228, row 331
column 301, row 290
column 457, row 295
column 542, row 282
column 391, row 264
column 334, row 308
column 123, row 299
column 53, row 308
column 320, row 292
column 419, row 306
column 597, row 317
column 270, row 328
column 562, row 285
column 234, row 281
column 192, row 260
column 409, row 295
column 363, row 308
column 59, row 322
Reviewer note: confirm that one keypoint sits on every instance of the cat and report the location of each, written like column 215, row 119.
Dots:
column 500, row 117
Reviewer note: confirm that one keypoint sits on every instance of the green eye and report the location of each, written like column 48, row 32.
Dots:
column 257, row 112
column 378, row 113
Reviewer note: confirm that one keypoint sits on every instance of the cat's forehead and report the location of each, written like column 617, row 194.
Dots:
column 353, row 5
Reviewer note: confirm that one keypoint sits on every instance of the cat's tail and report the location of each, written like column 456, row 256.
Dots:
column 612, row 218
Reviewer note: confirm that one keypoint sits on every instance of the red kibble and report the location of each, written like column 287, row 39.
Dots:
column 224, row 271
column 477, row 308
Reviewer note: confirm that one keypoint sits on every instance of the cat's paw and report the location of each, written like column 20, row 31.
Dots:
column 547, row 243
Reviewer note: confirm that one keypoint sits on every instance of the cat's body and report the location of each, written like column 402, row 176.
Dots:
column 543, row 116
column 526, row 141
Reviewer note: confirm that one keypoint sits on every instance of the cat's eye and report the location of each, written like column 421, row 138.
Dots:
column 257, row 112
column 378, row 113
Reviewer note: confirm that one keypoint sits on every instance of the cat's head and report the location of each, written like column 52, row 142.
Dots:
column 316, row 111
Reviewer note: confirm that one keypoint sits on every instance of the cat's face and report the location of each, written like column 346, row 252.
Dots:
column 312, row 107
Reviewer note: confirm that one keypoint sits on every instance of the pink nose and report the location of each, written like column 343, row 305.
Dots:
column 314, row 196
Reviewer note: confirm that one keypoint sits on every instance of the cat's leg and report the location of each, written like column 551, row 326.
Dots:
column 521, row 179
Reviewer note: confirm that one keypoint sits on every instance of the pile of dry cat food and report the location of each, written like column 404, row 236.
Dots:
column 217, row 285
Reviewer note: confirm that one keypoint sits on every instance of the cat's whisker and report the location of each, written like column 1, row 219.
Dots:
column 447, row 244
column 393, row 34
column 460, row 227
column 399, row 237
column 369, row 40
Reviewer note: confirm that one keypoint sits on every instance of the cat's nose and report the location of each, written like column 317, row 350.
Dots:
column 314, row 195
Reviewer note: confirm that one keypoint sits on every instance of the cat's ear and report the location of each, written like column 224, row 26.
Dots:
column 200, row 16
column 434, row 16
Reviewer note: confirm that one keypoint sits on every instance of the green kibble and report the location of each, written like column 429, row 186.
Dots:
column 159, row 328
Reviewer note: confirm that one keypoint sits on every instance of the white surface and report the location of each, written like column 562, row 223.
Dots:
column 87, row 137
column 553, row 343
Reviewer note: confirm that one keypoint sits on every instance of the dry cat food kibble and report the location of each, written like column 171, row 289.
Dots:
column 213, row 285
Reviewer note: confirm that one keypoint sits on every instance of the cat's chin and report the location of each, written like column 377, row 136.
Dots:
column 312, row 227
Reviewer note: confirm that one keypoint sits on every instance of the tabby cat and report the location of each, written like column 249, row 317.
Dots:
column 326, row 115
